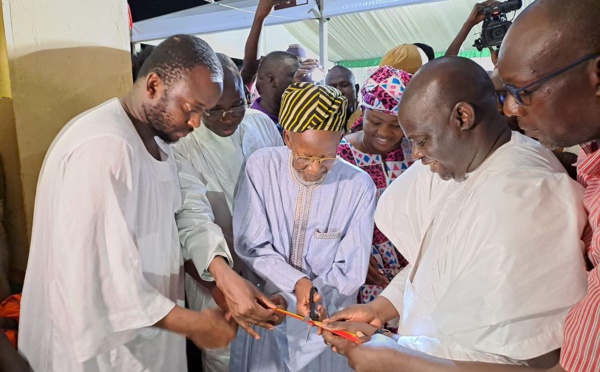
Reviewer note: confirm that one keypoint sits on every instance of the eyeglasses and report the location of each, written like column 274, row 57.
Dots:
column 234, row 111
column 501, row 94
column 305, row 161
column 520, row 93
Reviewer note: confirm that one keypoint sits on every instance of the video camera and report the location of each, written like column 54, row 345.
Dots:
column 495, row 24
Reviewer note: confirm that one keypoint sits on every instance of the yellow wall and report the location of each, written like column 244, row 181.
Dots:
column 64, row 57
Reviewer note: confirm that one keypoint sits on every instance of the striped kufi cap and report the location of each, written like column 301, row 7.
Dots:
column 308, row 106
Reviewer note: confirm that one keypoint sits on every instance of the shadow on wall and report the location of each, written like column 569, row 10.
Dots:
column 49, row 88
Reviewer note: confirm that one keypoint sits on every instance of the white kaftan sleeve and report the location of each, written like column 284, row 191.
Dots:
column 400, row 216
column 522, row 269
column 101, row 289
column 253, row 238
column 394, row 292
column 201, row 238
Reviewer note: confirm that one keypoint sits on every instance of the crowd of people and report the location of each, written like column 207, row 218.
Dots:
column 429, row 211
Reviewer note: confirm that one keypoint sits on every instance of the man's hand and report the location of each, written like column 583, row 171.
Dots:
column 375, row 355
column 266, row 6
column 214, row 331
column 304, row 73
column 246, row 304
column 219, row 299
column 339, row 344
column 281, row 303
column 302, row 292
column 477, row 15
column 357, row 313
column 375, row 275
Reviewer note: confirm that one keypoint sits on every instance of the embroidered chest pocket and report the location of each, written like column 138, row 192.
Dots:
column 322, row 251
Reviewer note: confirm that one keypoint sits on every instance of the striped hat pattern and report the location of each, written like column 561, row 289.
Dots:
column 308, row 106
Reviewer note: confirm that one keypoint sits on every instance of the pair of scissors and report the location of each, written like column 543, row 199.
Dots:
column 313, row 315
column 345, row 334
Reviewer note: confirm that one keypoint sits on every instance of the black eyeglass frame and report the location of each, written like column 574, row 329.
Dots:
column 517, row 92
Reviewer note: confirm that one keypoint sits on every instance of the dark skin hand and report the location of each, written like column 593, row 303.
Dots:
column 281, row 303
column 341, row 345
column 247, row 305
column 304, row 72
column 375, row 275
column 477, row 16
column 302, row 292
column 239, row 298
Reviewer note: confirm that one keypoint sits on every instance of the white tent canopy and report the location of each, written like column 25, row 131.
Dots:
column 359, row 38
column 239, row 14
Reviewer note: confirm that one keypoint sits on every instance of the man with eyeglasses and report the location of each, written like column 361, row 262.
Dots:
column 303, row 219
column 550, row 65
column 494, row 268
column 209, row 162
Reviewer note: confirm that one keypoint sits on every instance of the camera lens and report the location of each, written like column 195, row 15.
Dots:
column 498, row 33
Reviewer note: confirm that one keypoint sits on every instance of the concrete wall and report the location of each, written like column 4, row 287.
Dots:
column 64, row 57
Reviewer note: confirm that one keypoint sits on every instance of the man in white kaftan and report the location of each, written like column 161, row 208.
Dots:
column 209, row 167
column 488, row 279
column 493, row 271
column 295, row 223
column 209, row 162
column 104, row 273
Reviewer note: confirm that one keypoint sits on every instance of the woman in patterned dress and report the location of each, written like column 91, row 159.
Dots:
column 381, row 150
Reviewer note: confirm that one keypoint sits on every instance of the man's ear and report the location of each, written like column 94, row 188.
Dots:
column 596, row 76
column 287, row 138
column 272, row 81
column 357, row 87
column 154, row 86
column 463, row 116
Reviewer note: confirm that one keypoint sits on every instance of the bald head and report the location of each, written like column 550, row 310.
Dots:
column 275, row 73
column 549, row 36
column 229, row 111
column 230, row 70
column 573, row 24
column 339, row 71
column 444, row 82
column 342, row 79
column 554, row 31
column 272, row 62
column 462, row 130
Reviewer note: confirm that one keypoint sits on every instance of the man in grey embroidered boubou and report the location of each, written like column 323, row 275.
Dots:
column 303, row 218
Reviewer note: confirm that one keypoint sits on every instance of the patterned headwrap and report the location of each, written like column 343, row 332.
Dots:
column 307, row 106
column 382, row 92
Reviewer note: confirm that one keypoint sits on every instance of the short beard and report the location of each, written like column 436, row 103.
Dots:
column 157, row 116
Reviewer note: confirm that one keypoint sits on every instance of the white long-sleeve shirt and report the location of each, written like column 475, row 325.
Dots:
column 105, row 261
column 209, row 167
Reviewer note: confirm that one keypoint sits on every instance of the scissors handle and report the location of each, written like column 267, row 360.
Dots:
column 314, row 312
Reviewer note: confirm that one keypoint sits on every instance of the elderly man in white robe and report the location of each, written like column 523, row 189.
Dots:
column 493, row 269
column 302, row 219
column 209, row 162
column 104, row 284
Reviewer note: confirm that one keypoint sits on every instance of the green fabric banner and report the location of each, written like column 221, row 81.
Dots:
column 375, row 61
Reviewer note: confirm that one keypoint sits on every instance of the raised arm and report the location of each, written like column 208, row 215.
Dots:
column 250, row 66
column 474, row 19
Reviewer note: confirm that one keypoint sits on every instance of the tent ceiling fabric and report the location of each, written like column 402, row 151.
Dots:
column 239, row 14
column 371, row 34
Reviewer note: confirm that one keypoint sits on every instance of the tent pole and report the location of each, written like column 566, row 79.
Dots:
column 323, row 42
column 323, row 36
